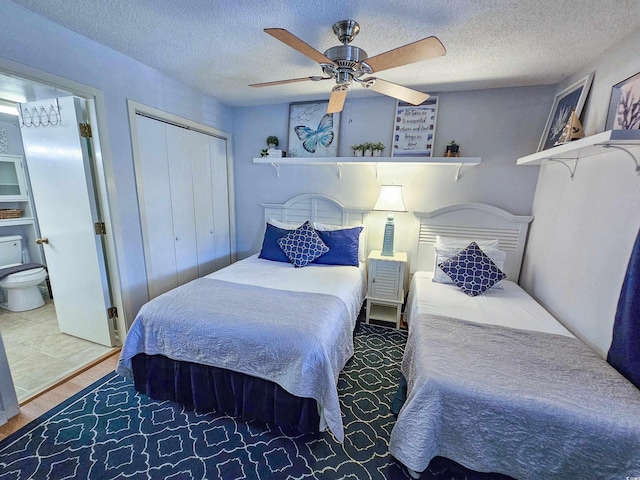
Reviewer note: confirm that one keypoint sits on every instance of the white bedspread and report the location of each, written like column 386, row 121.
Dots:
column 496, row 391
column 300, row 339
column 508, row 307
column 346, row 283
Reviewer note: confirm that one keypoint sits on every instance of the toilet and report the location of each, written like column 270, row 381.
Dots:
column 21, row 288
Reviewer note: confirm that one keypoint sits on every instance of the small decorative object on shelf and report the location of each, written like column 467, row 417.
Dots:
column 368, row 149
column 452, row 150
column 572, row 130
column 272, row 141
column 264, row 152
column 377, row 148
column 6, row 213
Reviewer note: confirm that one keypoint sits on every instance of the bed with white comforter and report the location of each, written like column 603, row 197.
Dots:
column 496, row 384
column 291, row 326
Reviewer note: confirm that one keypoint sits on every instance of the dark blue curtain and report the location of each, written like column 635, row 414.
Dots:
column 624, row 353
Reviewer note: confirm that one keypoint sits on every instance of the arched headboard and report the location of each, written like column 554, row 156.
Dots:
column 315, row 208
column 472, row 220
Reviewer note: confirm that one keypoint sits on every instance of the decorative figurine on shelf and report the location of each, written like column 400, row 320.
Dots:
column 452, row 150
column 572, row 130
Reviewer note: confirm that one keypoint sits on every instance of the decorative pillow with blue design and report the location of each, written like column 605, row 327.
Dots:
column 303, row 245
column 472, row 270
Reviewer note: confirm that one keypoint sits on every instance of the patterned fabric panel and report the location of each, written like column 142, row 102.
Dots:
column 303, row 245
column 472, row 270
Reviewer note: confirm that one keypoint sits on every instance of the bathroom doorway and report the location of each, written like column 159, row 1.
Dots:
column 36, row 333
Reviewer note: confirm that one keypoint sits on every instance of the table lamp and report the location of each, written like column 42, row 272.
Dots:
column 389, row 200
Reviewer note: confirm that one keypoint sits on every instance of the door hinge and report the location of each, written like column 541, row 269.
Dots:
column 85, row 130
column 100, row 227
column 112, row 312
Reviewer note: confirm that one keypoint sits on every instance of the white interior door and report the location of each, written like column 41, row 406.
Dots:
column 63, row 192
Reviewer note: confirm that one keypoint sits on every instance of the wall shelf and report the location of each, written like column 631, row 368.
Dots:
column 10, row 222
column 340, row 161
column 598, row 144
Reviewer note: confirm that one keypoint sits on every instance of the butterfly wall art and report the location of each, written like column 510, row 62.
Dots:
column 312, row 131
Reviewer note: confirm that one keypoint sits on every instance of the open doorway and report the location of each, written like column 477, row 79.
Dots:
column 39, row 353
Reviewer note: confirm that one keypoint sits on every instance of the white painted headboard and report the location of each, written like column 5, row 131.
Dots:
column 473, row 221
column 315, row 208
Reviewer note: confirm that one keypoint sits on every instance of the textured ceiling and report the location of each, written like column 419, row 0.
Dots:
column 218, row 47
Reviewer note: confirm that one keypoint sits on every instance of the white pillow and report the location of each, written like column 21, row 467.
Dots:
column 445, row 253
column 362, row 254
column 458, row 242
column 286, row 226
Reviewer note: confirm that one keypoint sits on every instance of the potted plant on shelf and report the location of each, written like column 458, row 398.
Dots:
column 377, row 148
column 264, row 152
column 368, row 149
column 272, row 141
column 357, row 150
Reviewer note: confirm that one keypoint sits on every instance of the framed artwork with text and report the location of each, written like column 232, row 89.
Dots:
column 414, row 128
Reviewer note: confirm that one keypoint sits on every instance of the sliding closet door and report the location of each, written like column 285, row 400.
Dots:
column 220, row 191
column 202, row 174
column 183, row 192
column 182, row 213
column 210, row 188
column 154, row 195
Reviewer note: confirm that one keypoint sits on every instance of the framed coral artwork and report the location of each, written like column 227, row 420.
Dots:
column 624, row 107
column 571, row 98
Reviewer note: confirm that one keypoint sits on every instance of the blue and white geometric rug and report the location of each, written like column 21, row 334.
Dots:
column 109, row 431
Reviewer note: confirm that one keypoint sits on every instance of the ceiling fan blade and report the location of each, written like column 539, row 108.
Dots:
column 297, row 44
column 424, row 49
column 291, row 80
column 336, row 100
column 394, row 90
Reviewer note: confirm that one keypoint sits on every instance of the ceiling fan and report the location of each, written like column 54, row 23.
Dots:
column 347, row 63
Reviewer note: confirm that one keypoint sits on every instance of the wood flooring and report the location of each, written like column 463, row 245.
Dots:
column 36, row 406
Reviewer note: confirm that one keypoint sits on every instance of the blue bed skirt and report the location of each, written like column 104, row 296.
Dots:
column 205, row 389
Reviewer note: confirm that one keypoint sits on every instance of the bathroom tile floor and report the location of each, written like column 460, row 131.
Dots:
column 39, row 355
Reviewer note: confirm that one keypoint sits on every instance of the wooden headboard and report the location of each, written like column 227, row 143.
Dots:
column 315, row 208
column 473, row 221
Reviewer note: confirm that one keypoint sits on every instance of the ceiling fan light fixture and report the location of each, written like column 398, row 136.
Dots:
column 347, row 63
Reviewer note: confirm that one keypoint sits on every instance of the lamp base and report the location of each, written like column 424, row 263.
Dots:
column 387, row 243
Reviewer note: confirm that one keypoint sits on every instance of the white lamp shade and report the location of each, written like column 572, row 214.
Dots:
column 390, row 199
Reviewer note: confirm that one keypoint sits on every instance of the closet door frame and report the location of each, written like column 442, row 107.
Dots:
column 135, row 108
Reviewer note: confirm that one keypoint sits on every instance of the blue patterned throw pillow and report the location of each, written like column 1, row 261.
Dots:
column 303, row 245
column 472, row 270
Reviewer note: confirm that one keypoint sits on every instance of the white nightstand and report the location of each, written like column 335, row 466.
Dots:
column 385, row 293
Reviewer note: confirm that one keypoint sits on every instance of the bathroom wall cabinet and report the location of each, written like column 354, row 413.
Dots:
column 15, row 195
column 183, row 190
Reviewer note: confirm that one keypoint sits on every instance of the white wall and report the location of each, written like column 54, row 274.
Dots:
column 31, row 40
column 583, row 232
column 498, row 125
